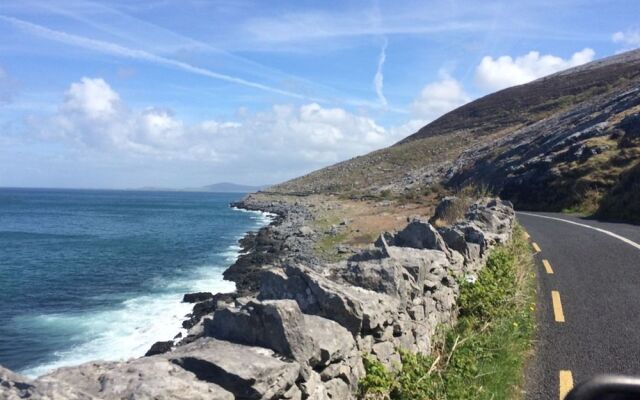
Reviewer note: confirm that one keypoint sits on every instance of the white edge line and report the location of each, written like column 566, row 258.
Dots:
column 624, row 239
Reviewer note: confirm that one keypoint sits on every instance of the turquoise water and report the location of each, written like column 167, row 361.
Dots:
column 100, row 274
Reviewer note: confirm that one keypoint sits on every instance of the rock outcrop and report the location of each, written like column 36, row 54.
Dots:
column 287, row 238
column 302, row 333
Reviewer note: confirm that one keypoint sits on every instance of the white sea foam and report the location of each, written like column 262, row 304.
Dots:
column 129, row 329
column 264, row 217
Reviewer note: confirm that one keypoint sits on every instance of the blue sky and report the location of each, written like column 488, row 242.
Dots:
column 174, row 93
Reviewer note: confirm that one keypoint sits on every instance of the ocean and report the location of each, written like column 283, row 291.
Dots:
column 93, row 274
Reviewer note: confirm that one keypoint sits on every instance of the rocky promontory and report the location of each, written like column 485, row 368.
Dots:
column 299, row 326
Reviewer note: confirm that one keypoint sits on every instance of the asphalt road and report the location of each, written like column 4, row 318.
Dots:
column 596, row 280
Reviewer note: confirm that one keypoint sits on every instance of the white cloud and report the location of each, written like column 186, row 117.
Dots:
column 495, row 74
column 378, row 79
column 629, row 38
column 318, row 25
column 117, row 50
column 438, row 98
column 300, row 138
column 93, row 97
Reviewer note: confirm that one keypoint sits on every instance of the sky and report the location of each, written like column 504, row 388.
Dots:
column 185, row 93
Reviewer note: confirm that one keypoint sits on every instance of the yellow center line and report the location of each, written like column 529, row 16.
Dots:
column 557, row 306
column 536, row 247
column 547, row 266
column 566, row 383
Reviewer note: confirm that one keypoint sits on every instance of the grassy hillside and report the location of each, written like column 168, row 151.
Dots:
column 565, row 142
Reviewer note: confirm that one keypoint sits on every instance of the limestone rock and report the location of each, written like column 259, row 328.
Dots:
column 418, row 234
column 14, row 387
column 144, row 378
column 305, row 231
column 247, row 372
column 385, row 352
column 313, row 388
column 275, row 324
column 197, row 297
column 354, row 308
column 337, row 389
column 334, row 342
column 159, row 348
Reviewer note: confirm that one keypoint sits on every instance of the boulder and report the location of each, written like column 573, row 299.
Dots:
column 369, row 254
column 334, row 342
column 487, row 222
column 159, row 348
column 305, row 231
column 280, row 326
column 247, row 372
column 400, row 275
column 378, row 275
column 14, row 386
column 354, row 308
column 207, row 307
column 494, row 217
column 294, row 393
column 313, row 388
column 144, row 378
column 386, row 353
column 418, row 234
column 275, row 324
column 467, row 239
column 337, row 389
column 196, row 297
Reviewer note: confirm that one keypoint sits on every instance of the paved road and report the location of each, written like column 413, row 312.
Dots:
column 596, row 285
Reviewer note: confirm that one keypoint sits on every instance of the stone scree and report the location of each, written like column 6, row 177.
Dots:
column 304, row 334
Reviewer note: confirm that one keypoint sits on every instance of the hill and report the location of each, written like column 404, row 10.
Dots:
column 569, row 141
column 221, row 187
column 228, row 187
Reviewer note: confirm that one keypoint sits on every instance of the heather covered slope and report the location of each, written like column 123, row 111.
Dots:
column 568, row 141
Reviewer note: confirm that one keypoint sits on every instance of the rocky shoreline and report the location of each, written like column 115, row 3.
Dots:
column 284, row 240
column 297, row 327
column 276, row 243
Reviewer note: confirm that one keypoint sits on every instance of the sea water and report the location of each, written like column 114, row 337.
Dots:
column 87, row 274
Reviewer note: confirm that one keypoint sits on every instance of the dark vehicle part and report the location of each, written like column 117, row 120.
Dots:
column 606, row 387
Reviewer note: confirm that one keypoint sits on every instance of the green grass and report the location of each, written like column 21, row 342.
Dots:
column 327, row 246
column 483, row 355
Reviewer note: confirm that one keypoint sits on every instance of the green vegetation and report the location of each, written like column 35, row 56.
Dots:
column 326, row 247
column 601, row 182
column 482, row 356
column 356, row 177
column 325, row 223
column 623, row 202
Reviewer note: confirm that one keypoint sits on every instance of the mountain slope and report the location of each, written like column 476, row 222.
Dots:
column 566, row 141
column 531, row 102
